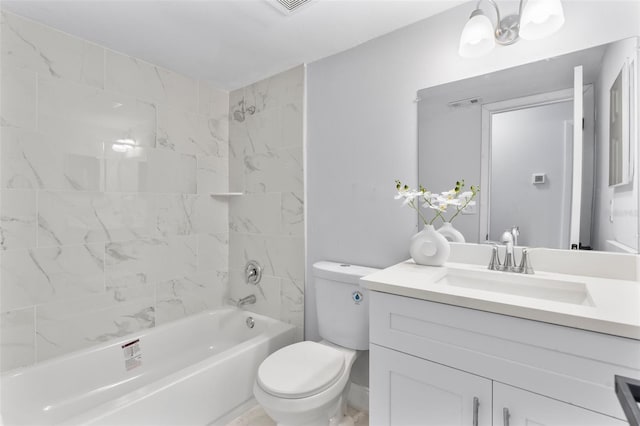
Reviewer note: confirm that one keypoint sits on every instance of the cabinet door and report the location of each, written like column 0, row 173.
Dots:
column 410, row 391
column 526, row 409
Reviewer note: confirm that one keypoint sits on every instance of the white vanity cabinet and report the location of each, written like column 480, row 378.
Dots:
column 517, row 407
column 430, row 361
column 408, row 390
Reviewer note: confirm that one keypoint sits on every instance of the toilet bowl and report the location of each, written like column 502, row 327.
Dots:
column 305, row 384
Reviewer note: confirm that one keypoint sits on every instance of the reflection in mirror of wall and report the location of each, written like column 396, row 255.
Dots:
column 513, row 132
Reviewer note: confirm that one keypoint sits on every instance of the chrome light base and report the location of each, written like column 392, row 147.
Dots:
column 508, row 30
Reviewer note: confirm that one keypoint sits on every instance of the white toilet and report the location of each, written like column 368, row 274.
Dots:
column 305, row 384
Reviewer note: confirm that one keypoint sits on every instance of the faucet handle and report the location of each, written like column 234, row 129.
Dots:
column 494, row 263
column 525, row 263
column 509, row 262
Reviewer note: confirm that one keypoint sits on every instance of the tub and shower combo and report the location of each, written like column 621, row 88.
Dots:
column 192, row 371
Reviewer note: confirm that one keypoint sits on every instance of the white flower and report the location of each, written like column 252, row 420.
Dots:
column 408, row 196
column 449, row 194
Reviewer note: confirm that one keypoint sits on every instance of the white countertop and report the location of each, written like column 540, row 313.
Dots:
column 613, row 308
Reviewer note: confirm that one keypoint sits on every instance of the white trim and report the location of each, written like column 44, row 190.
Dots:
column 576, row 184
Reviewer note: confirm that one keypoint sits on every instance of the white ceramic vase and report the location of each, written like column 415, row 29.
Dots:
column 451, row 233
column 429, row 247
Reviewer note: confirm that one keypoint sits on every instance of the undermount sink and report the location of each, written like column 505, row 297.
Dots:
column 519, row 285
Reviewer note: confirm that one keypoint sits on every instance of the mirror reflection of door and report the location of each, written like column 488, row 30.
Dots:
column 530, row 166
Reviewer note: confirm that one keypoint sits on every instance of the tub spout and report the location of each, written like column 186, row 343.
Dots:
column 248, row 300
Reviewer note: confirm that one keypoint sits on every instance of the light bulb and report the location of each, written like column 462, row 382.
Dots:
column 477, row 36
column 541, row 18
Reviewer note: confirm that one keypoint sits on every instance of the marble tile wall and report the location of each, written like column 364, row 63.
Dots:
column 106, row 222
column 266, row 164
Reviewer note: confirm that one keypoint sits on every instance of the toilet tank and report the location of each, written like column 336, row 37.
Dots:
column 342, row 305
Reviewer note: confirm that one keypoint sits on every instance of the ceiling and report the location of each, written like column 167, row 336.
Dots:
column 230, row 43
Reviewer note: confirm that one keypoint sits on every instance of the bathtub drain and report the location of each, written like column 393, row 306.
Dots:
column 250, row 322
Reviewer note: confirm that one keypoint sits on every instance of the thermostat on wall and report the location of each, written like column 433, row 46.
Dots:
column 538, row 178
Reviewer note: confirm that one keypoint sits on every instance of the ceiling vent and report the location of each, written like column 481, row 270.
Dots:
column 288, row 6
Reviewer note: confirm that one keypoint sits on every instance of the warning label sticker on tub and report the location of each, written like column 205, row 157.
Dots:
column 132, row 355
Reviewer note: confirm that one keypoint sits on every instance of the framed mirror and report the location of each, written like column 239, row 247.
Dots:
column 513, row 132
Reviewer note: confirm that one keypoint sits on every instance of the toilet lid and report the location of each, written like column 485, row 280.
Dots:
column 300, row 370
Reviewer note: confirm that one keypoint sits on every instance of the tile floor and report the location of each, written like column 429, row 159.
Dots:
column 255, row 416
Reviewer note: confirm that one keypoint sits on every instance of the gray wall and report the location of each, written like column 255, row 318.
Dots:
column 362, row 125
column 451, row 140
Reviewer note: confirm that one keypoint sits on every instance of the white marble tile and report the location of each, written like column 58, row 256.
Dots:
column 29, row 45
column 78, row 217
column 128, row 216
column 31, row 160
column 134, row 77
column 150, row 170
column 257, row 133
column 212, row 215
column 262, row 95
column 191, row 133
column 41, row 275
column 292, row 125
column 236, row 166
column 149, row 261
column 212, row 102
column 290, row 86
column 258, row 213
column 67, row 110
column 127, row 170
column 293, row 213
column 212, row 174
column 171, row 172
column 175, row 214
column 67, row 326
column 213, row 252
column 181, row 297
column 17, row 219
column 18, row 103
column 17, row 339
column 276, row 91
column 279, row 256
column 292, row 302
column 275, row 171
column 184, row 214
column 267, row 293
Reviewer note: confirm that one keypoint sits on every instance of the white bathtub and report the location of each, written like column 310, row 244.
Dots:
column 190, row 372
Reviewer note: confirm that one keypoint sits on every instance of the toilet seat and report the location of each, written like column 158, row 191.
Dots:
column 301, row 370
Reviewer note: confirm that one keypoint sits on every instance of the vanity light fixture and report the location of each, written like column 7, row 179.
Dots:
column 537, row 19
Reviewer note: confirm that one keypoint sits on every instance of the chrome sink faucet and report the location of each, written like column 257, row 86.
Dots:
column 509, row 258
column 508, row 238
